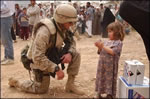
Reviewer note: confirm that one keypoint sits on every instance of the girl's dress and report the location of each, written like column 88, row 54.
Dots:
column 107, row 70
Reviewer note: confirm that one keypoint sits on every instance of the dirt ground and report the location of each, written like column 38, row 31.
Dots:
column 133, row 48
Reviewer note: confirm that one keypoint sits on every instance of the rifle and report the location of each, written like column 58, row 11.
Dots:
column 54, row 54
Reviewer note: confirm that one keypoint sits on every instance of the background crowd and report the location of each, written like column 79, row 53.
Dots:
column 90, row 18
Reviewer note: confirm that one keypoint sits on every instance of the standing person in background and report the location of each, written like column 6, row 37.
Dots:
column 51, row 10
column 41, row 9
column 102, row 15
column 6, row 12
column 93, row 16
column 84, row 21
column 29, row 5
column 13, row 34
column 73, row 28
column 33, row 13
column 127, row 27
column 96, row 22
column 102, row 10
column 41, row 15
column 107, row 19
column 24, row 25
column 115, row 9
column 18, row 11
column 118, row 17
column 80, row 21
column 89, row 18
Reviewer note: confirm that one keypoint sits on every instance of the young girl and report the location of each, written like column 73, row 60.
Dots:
column 109, row 51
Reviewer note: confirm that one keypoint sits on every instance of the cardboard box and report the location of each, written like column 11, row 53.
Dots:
column 127, row 91
column 130, row 72
column 139, row 72
column 134, row 72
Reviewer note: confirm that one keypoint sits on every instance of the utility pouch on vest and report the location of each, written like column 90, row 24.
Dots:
column 24, row 59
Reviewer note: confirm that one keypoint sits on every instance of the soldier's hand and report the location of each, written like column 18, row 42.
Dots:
column 66, row 58
column 60, row 74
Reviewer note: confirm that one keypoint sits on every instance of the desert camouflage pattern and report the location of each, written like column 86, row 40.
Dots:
column 42, row 33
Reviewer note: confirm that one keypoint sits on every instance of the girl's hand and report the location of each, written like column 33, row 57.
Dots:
column 99, row 44
column 96, row 43
column 102, row 44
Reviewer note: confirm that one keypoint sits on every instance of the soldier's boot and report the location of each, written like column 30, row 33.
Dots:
column 13, row 82
column 71, row 87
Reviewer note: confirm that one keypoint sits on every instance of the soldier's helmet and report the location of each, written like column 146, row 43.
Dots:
column 65, row 13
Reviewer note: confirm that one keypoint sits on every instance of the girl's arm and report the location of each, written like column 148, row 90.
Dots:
column 114, row 50
column 108, row 50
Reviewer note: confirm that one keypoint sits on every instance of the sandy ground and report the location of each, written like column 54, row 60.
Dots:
column 133, row 49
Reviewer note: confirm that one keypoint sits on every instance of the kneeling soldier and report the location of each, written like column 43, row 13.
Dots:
column 64, row 17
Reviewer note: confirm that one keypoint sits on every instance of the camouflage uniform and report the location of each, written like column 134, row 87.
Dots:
column 37, row 51
column 42, row 35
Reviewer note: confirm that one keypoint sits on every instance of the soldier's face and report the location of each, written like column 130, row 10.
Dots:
column 67, row 25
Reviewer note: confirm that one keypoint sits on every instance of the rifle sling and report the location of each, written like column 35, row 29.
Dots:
column 58, row 29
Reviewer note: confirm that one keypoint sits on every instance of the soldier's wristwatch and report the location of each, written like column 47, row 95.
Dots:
column 57, row 69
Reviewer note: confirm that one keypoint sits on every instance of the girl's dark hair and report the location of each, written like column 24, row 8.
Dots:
column 118, row 30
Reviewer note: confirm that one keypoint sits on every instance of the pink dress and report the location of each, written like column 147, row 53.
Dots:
column 107, row 70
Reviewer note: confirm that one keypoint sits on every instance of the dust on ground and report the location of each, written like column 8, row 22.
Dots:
column 133, row 48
